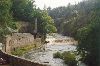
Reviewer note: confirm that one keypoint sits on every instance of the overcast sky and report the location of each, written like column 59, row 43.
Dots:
column 54, row 3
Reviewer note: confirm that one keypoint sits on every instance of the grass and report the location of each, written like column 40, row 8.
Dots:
column 22, row 50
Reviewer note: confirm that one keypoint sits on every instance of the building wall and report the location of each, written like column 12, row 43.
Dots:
column 19, row 40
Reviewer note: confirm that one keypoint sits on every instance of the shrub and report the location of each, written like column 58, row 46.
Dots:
column 57, row 55
column 68, row 57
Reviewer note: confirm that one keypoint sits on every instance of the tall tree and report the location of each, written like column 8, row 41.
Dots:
column 5, row 12
column 89, row 38
column 23, row 9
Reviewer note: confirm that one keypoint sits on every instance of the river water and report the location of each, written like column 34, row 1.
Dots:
column 46, row 56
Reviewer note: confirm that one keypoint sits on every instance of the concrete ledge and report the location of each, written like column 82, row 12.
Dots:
column 17, row 61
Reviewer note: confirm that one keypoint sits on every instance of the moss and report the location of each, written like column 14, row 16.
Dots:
column 22, row 50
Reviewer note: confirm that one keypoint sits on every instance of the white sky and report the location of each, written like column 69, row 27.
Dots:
column 54, row 3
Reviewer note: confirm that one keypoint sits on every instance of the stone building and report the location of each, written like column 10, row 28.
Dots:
column 19, row 40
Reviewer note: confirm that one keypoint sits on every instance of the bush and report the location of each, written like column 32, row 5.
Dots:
column 68, row 57
column 57, row 55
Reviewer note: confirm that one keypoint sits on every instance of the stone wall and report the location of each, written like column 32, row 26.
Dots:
column 16, row 61
column 19, row 40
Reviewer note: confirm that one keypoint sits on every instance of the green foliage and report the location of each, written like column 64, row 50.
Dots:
column 45, row 23
column 26, row 11
column 12, row 11
column 82, row 33
column 89, row 40
column 51, row 28
column 23, row 10
column 49, row 23
column 57, row 55
column 6, row 19
column 5, row 16
column 68, row 57
column 13, row 25
column 82, row 21
column 89, row 44
column 71, row 18
column 22, row 50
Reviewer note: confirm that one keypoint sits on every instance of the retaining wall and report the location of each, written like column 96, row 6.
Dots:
column 17, row 61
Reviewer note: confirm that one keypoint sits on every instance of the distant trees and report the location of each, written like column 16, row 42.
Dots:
column 61, row 16
column 82, row 21
column 73, row 16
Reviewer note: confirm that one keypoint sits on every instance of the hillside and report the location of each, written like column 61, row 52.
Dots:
column 81, row 21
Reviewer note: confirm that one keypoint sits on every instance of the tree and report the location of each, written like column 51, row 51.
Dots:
column 49, row 23
column 23, row 10
column 82, row 21
column 89, row 39
column 5, row 16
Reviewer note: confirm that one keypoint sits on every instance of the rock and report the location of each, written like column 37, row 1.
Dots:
column 45, row 62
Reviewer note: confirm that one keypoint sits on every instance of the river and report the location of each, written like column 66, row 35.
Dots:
column 46, row 56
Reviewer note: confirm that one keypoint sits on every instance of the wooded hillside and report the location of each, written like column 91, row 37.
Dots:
column 81, row 21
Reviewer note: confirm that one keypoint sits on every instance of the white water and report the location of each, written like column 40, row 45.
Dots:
column 46, row 57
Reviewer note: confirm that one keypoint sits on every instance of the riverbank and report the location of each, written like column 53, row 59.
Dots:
column 46, row 57
column 22, row 50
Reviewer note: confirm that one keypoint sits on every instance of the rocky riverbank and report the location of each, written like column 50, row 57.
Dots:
column 46, row 56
